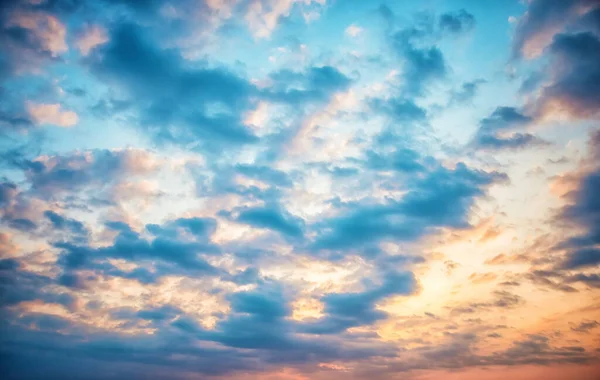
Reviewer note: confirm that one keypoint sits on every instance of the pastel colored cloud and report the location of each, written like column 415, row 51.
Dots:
column 52, row 114
column 90, row 38
column 353, row 30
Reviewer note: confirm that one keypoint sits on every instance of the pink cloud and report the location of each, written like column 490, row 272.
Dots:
column 91, row 37
column 49, row 32
column 51, row 114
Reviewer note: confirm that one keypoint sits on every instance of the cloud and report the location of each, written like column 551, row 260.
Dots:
column 542, row 21
column 202, row 105
column 441, row 197
column 466, row 92
column 221, row 254
column 570, row 258
column 585, row 326
column 272, row 217
column 20, row 285
column 481, row 278
column 575, row 83
column 581, row 258
column 266, row 174
column 346, row 310
column 62, row 223
column 496, row 131
column 565, row 32
column 423, row 61
column 583, row 209
column 53, row 175
column 353, row 30
column 14, row 122
column 169, row 248
column 400, row 160
column 514, row 141
column 315, row 84
column 263, row 16
column 194, row 21
column 29, row 37
column 400, row 110
column 501, row 299
column 456, row 22
column 18, row 210
column 422, row 66
column 52, row 114
column 91, row 37
column 504, row 118
column 592, row 280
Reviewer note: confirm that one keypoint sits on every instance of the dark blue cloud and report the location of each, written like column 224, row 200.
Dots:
column 21, row 48
column 591, row 21
column 10, row 121
column 578, row 254
column 19, row 285
column 71, row 280
column 264, row 305
column 271, row 216
column 584, row 210
column 346, row 310
column 466, row 92
column 13, row 207
column 201, row 228
column 266, row 174
column 496, row 131
column 22, row 224
column 316, row 84
column 401, row 160
column 456, row 22
column 144, row 6
column 259, row 320
column 423, row 65
column 541, row 17
column 223, row 179
column 592, row 280
column 8, row 191
column 581, row 258
column 514, row 141
column 203, row 105
column 181, row 254
column 72, row 172
column 16, row 157
column 504, row 118
column 400, row 110
column 256, row 334
column 177, row 102
column 168, row 251
column 62, row 223
column 576, row 77
column 440, row 198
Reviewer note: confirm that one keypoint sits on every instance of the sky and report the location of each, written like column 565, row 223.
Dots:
column 300, row 189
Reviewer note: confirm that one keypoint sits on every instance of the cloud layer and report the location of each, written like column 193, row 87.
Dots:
column 299, row 189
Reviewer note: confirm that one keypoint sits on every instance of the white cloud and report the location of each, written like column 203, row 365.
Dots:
column 353, row 30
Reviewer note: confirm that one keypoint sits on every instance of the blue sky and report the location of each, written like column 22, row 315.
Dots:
column 299, row 189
